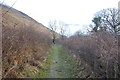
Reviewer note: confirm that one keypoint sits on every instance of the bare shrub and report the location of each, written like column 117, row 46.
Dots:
column 21, row 45
column 99, row 51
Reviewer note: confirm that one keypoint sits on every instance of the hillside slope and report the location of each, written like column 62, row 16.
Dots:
column 15, row 18
column 25, row 44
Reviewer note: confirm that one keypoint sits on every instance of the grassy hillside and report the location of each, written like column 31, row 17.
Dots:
column 25, row 44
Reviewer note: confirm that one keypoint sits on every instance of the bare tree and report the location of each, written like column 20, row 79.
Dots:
column 53, row 26
column 107, row 19
column 62, row 29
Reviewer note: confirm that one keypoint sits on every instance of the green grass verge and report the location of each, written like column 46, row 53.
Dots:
column 44, row 72
column 69, row 63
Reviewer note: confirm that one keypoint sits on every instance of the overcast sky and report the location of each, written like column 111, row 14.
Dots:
column 76, row 13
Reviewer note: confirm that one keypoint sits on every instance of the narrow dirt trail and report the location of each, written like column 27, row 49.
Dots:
column 55, row 62
column 62, row 65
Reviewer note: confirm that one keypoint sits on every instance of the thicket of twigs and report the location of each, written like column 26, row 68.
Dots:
column 21, row 46
column 99, row 51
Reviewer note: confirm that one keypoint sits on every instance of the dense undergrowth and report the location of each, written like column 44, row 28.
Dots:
column 25, row 45
column 97, row 54
column 21, row 47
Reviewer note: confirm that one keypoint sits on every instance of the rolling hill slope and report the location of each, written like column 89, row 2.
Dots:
column 17, row 18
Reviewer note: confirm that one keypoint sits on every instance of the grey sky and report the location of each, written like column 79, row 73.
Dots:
column 75, row 13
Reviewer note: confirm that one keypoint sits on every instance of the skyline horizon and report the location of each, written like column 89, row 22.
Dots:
column 74, row 25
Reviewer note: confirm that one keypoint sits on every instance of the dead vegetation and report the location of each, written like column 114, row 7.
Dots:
column 97, row 54
column 25, row 44
column 22, row 46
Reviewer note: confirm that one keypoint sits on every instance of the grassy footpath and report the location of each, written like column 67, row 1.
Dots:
column 58, row 65
column 66, row 65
